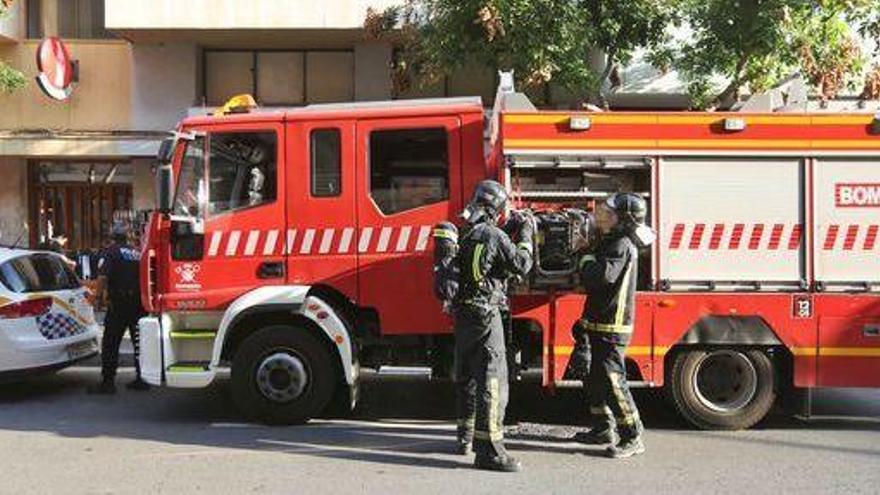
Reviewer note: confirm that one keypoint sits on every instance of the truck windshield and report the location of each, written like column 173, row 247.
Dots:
column 190, row 194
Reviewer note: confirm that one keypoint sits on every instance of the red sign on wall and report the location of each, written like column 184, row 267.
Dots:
column 56, row 69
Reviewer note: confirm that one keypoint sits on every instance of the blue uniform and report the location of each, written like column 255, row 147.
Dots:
column 120, row 263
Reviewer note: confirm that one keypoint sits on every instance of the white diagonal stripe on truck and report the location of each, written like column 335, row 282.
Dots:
column 422, row 241
column 269, row 247
column 384, row 238
column 215, row 243
column 403, row 239
column 345, row 242
column 291, row 238
column 308, row 238
column 326, row 241
column 364, row 243
column 251, row 245
column 232, row 243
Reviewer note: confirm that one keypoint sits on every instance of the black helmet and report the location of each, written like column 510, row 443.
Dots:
column 445, row 241
column 488, row 201
column 630, row 208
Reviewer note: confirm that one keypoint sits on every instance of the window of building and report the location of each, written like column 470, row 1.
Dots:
column 279, row 77
column 242, row 170
column 191, row 183
column 33, row 19
column 409, row 168
column 82, row 19
column 326, row 162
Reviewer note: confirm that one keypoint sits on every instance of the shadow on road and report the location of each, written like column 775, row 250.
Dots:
column 398, row 422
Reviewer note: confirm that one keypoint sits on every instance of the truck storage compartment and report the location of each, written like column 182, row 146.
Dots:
column 731, row 223
column 846, row 205
column 563, row 191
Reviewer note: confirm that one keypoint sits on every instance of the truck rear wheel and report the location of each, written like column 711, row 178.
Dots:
column 282, row 375
column 723, row 389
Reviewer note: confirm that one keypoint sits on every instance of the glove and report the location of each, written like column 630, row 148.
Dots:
column 525, row 232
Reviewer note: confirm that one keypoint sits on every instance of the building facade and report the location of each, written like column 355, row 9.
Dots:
column 69, row 167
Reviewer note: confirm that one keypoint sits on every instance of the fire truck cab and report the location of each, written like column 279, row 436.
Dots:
column 295, row 247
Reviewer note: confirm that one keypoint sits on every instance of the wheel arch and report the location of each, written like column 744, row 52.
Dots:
column 733, row 331
column 285, row 305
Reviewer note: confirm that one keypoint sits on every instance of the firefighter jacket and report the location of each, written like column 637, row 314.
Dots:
column 486, row 259
column 609, row 279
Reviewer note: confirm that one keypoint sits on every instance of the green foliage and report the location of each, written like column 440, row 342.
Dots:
column 541, row 40
column 10, row 79
column 754, row 44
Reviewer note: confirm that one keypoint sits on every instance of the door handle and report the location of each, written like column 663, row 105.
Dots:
column 271, row 269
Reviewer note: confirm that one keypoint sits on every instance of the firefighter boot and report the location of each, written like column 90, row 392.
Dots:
column 503, row 463
column 626, row 448
column 596, row 437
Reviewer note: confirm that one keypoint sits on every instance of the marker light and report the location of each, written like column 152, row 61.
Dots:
column 733, row 124
column 579, row 123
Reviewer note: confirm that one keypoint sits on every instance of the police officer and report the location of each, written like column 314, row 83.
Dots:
column 118, row 270
column 601, row 336
column 486, row 259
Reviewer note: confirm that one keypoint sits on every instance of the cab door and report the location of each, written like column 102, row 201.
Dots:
column 408, row 180
column 228, row 218
column 321, row 235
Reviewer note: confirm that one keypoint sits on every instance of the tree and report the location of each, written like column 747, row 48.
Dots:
column 541, row 40
column 754, row 44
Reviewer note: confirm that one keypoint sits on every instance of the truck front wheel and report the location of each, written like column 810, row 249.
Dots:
column 282, row 375
column 723, row 389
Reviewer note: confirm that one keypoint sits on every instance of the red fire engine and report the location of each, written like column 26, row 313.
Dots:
column 295, row 247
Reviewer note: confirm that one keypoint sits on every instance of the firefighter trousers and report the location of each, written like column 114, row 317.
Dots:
column 119, row 319
column 481, row 379
column 611, row 403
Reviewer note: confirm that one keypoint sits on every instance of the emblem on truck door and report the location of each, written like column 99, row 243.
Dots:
column 187, row 273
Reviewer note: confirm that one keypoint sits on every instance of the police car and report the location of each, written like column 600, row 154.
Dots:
column 46, row 322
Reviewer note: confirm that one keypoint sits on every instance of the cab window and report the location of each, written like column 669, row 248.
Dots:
column 409, row 168
column 326, row 163
column 242, row 170
column 191, row 186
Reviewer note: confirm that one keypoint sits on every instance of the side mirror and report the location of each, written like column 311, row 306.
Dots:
column 166, row 151
column 165, row 187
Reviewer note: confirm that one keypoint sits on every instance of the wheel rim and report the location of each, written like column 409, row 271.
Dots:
column 725, row 381
column 282, row 377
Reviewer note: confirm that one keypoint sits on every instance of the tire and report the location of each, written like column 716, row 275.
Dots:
column 282, row 375
column 723, row 389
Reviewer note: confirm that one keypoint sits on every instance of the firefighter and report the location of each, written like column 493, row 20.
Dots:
column 118, row 270
column 601, row 336
column 486, row 259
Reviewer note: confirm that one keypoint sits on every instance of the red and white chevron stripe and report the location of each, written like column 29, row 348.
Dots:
column 771, row 237
column 722, row 236
column 330, row 241
column 852, row 237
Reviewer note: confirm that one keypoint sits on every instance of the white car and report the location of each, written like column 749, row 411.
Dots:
column 46, row 322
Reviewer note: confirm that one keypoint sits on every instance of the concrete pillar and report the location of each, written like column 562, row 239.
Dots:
column 163, row 82
column 49, row 15
column 372, row 71
column 13, row 200
column 143, row 190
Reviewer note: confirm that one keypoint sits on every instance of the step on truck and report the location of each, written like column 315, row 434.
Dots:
column 294, row 246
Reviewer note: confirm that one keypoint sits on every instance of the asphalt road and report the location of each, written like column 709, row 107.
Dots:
column 56, row 439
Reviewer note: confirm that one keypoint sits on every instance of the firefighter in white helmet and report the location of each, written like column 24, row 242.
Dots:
column 609, row 277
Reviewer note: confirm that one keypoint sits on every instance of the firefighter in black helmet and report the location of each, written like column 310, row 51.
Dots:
column 486, row 259
column 609, row 278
